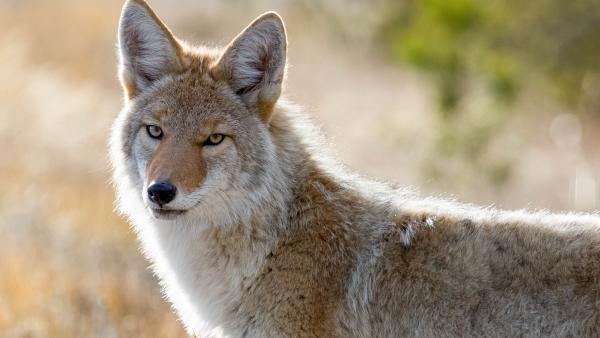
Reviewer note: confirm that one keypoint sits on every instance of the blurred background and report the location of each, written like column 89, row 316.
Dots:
column 490, row 102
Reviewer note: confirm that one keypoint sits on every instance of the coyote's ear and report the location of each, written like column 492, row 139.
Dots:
column 254, row 63
column 147, row 48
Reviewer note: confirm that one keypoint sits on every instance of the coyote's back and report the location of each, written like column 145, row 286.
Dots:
column 254, row 231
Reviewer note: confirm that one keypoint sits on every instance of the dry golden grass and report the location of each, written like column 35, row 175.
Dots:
column 70, row 267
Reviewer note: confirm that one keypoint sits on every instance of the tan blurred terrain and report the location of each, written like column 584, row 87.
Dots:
column 70, row 267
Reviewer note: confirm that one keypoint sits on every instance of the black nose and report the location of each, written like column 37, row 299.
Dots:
column 161, row 193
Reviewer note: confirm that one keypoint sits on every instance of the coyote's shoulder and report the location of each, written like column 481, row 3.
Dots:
column 254, row 231
column 377, row 261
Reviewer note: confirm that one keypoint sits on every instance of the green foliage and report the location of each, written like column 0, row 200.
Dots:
column 500, row 45
column 501, row 41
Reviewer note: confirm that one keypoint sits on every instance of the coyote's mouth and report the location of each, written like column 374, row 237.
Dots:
column 166, row 213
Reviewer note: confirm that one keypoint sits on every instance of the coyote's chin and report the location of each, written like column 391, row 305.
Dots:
column 253, row 231
column 167, row 214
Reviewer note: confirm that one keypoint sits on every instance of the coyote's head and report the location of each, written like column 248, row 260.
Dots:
column 194, row 131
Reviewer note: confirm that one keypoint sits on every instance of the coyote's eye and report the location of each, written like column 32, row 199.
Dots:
column 154, row 131
column 214, row 139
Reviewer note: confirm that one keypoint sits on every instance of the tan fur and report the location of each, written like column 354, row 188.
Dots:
column 277, row 239
column 178, row 162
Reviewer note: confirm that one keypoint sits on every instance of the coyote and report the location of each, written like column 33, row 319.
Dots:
column 254, row 231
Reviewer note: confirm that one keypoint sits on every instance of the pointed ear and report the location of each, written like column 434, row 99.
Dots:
column 254, row 63
column 147, row 48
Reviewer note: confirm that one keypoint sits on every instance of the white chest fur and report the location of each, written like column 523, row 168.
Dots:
column 198, row 273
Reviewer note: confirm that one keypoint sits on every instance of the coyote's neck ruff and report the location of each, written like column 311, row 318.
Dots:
column 254, row 232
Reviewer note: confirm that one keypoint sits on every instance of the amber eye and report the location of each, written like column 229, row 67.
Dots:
column 154, row 131
column 214, row 139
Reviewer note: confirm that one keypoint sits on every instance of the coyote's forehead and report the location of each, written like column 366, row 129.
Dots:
column 191, row 101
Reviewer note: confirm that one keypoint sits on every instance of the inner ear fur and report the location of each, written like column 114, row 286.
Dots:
column 254, row 63
column 147, row 48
